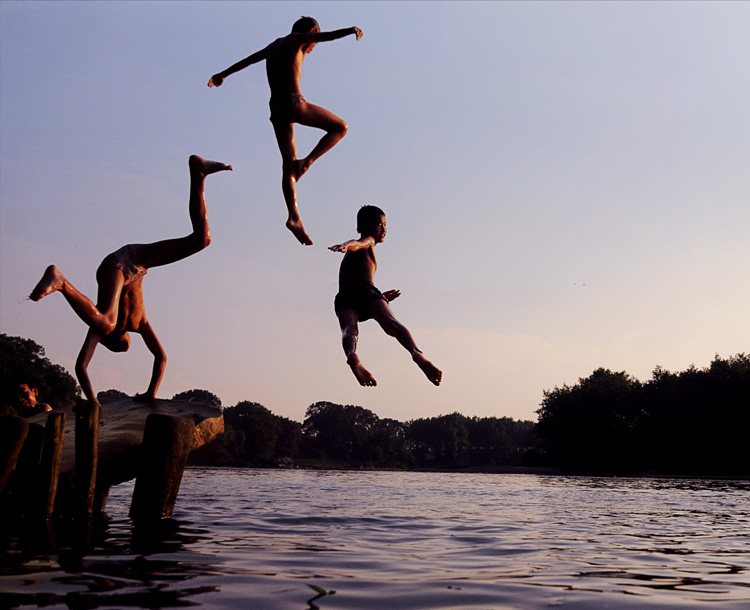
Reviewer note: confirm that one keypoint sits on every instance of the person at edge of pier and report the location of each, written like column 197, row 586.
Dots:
column 358, row 299
column 28, row 403
column 119, row 309
column 284, row 57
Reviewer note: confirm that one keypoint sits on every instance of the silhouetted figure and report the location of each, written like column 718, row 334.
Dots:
column 284, row 57
column 358, row 299
column 119, row 308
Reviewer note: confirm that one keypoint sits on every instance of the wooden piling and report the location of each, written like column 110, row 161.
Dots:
column 13, row 431
column 167, row 441
column 49, row 469
column 25, row 476
column 86, row 456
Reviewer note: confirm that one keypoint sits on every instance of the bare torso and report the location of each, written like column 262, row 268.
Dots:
column 357, row 269
column 284, row 57
column 131, row 312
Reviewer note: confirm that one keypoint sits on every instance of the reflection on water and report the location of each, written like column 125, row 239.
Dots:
column 356, row 540
column 115, row 565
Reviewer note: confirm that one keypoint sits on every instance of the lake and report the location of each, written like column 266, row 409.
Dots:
column 354, row 540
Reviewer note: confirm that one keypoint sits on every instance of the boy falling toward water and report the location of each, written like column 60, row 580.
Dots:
column 284, row 57
column 358, row 299
column 119, row 307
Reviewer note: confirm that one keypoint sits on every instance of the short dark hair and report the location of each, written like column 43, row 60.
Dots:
column 368, row 214
column 305, row 24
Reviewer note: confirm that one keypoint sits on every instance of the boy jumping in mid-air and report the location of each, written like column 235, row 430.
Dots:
column 358, row 299
column 284, row 57
column 119, row 308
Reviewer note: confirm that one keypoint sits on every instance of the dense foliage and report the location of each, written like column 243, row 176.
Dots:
column 694, row 422
column 335, row 435
column 23, row 361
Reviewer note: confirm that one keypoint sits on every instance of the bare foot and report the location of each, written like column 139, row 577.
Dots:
column 51, row 281
column 300, row 167
column 361, row 373
column 205, row 167
column 434, row 374
column 295, row 226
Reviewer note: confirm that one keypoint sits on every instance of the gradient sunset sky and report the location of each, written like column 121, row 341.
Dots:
column 567, row 187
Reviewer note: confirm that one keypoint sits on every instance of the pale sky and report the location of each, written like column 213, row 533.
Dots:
column 566, row 187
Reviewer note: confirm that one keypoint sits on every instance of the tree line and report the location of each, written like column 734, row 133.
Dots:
column 349, row 436
column 691, row 422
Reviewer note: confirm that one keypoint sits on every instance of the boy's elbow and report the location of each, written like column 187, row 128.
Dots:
column 81, row 370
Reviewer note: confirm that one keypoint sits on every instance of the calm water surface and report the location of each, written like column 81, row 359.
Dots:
column 300, row 540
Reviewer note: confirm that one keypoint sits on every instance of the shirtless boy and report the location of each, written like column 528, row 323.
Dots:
column 119, row 308
column 358, row 299
column 284, row 57
column 27, row 400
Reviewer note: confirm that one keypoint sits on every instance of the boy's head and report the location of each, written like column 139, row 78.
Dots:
column 116, row 342
column 305, row 24
column 371, row 221
column 27, row 395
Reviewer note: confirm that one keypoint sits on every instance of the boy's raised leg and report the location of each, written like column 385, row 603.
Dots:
column 172, row 250
column 335, row 127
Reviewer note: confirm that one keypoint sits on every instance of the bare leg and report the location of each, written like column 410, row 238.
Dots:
column 102, row 317
column 172, row 250
column 311, row 115
column 348, row 320
column 381, row 311
column 289, row 173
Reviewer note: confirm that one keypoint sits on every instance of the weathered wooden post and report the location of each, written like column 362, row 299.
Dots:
column 13, row 431
column 86, row 452
column 26, row 473
column 167, row 441
column 49, row 469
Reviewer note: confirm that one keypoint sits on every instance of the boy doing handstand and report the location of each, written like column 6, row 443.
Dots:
column 284, row 57
column 119, row 308
column 358, row 299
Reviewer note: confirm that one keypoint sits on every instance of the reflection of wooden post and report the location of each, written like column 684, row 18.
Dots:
column 167, row 441
column 87, row 441
column 13, row 431
column 50, row 466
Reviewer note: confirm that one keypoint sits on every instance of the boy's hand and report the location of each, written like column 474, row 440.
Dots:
column 391, row 294
column 215, row 81
column 337, row 248
column 357, row 33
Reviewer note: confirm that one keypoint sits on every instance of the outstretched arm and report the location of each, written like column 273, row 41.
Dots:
column 217, row 79
column 353, row 244
column 160, row 362
column 334, row 35
column 82, row 364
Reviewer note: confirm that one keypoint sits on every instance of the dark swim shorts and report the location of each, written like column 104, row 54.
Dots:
column 358, row 299
column 284, row 109
column 122, row 260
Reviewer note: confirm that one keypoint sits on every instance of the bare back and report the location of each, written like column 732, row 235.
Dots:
column 131, row 311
